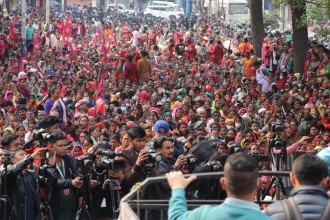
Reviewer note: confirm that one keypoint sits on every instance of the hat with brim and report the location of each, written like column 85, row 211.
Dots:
column 198, row 123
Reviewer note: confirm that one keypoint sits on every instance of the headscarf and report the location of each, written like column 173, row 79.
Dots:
column 7, row 94
column 174, row 113
column 38, row 95
column 77, row 146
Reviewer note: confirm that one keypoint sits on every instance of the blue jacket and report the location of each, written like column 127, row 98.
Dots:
column 230, row 209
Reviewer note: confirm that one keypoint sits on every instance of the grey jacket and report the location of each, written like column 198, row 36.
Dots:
column 311, row 201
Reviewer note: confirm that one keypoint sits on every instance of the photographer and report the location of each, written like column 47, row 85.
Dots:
column 134, row 163
column 165, row 147
column 105, row 183
column 162, row 129
column 64, row 199
column 22, row 185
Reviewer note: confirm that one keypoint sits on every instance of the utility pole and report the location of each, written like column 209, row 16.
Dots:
column 223, row 12
column 23, row 28
column 47, row 14
column 116, row 5
column 62, row 4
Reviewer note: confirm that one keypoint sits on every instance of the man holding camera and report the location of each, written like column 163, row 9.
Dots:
column 64, row 199
column 165, row 147
column 134, row 163
column 22, row 185
column 162, row 129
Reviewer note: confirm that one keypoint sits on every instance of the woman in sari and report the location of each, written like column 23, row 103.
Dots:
column 126, row 32
column 55, row 103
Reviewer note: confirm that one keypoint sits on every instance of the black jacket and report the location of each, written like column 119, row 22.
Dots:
column 165, row 167
column 311, row 201
column 160, row 190
column 16, row 189
column 61, row 184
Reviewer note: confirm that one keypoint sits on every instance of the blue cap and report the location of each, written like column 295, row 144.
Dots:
column 161, row 127
column 325, row 155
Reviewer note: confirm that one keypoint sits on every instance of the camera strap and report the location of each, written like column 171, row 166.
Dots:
column 62, row 174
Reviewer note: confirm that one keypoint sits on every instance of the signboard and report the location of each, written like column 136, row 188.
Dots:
column 237, row 8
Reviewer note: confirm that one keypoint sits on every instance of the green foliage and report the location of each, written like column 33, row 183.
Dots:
column 272, row 19
column 317, row 16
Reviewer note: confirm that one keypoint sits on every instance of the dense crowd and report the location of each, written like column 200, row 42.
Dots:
column 98, row 80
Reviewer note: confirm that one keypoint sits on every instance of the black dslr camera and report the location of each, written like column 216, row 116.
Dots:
column 214, row 166
column 192, row 161
column 85, row 164
column 42, row 137
column 259, row 158
column 236, row 148
column 276, row 142
column 154, row 157
column 109, row 161
column 152, row 162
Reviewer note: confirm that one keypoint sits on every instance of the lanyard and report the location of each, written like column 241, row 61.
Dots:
column 59, row 170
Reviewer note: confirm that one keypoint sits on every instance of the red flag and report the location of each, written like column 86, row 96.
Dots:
column 68, row 25
column 98, row 33
column 12, row 35
column 100, row 104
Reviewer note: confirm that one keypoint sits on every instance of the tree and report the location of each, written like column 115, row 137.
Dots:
column 318, row 12
column 318, row 15
column 272, row 19
column 300, row 34
column 257, row 24
column 199, row 4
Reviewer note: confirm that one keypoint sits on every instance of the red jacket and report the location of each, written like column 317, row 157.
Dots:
column 191, row 51
column 130, row 71
column 216, row 54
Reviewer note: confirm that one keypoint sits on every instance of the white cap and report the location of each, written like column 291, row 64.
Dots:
column 20, row 74
column 261, row 110
column 200, row 109
column 33, row 70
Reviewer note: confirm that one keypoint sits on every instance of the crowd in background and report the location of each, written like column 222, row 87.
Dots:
column 129, row 80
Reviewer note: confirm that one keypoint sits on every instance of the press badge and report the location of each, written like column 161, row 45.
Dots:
column 66, row 192
column 103, row 204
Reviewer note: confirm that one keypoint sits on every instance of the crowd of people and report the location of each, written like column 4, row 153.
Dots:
column 94, row 81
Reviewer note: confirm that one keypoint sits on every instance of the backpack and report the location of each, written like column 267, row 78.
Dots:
column 292, row 211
